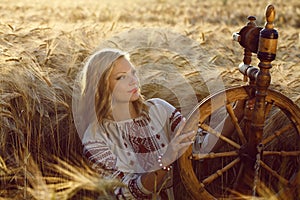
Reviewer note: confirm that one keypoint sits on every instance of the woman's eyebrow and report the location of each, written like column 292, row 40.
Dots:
column 119, row 73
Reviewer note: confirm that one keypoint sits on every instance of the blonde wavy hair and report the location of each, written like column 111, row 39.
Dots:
column 95, row 84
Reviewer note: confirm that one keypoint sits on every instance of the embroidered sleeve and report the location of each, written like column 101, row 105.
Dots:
column 101, row 158
column 99, row 155
column 135, row 188
column 175, row 119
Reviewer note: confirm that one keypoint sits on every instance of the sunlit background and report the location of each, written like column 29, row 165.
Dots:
column 44, row 43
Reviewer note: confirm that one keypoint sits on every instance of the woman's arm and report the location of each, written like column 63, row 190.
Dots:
column 179, row 142
column 104, row 161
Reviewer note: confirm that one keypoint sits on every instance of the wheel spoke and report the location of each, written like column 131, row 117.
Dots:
column 219, row 172
column 235, row 123
column 277, row 133
column 287, row 192
column 274, row 173
column 218, row 134
column 198, row 156
column 281, row 153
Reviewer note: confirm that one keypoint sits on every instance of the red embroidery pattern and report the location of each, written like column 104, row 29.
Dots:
column 136, row 192
column 175, row 119
column 140, row 137
column 142, row 142
column 96, row 152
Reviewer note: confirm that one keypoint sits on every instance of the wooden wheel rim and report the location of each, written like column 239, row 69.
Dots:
column 192, row 184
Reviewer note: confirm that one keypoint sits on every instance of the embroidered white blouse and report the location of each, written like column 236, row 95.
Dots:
column 131, row 147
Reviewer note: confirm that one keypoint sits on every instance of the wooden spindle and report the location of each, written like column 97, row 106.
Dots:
column 266, row 54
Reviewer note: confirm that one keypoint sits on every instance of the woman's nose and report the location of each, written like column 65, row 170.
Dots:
column 133, row 80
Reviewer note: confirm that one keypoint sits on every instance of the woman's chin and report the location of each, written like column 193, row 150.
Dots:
column 134, row 97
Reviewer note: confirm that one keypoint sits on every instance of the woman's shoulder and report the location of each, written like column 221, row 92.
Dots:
column 160, row 105
column 92, row 133
column 158, row 101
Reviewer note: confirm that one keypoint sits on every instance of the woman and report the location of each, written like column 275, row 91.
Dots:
column 136, row 140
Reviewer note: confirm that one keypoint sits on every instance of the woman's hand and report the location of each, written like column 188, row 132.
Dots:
column 178, row 144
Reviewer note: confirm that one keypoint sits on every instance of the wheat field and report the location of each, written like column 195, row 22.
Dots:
column 179, row 44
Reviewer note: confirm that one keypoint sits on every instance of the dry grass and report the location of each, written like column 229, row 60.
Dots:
column 43, row 45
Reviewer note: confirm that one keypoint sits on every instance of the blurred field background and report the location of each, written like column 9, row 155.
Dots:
column 43, row 45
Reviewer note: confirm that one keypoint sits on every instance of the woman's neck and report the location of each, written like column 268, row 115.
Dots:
column 123, row 111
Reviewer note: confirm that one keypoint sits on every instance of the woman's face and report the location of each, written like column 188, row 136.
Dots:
column 123, row 82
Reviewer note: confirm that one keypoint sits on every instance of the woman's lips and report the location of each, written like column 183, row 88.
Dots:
column 134, row 90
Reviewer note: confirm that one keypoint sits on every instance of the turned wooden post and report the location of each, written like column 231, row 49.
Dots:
column 266, row 54
column 263, row 42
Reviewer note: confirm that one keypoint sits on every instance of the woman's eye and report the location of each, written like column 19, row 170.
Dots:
column 121, row 77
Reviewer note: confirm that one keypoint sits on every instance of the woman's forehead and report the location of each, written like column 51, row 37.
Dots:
column 122, row 65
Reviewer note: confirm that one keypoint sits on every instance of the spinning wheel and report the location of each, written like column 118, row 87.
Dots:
column 262, row 157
